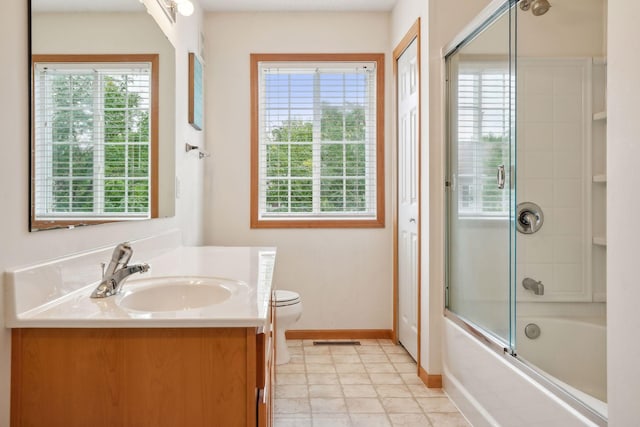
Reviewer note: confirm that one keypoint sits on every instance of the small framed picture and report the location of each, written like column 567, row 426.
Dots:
column 196, row 92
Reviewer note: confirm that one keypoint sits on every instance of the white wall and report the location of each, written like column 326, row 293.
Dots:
column 343, row 276
column 20, row 247
column 623, row 199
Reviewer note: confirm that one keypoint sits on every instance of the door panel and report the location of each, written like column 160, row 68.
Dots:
column 408, row 198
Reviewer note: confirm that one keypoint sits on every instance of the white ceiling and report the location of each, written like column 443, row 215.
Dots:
column 297, row 5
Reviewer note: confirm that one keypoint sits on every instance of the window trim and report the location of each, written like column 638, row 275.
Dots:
column 154, row 60
column 332, row 222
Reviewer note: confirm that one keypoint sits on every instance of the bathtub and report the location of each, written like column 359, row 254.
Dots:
column 571, row 350
column 493, row 388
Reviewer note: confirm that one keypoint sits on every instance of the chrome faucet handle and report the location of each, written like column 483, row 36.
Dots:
column 122, row 253
column 529, row 217
column 119, row 258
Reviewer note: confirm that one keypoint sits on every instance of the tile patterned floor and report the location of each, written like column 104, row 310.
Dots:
column 370, row 385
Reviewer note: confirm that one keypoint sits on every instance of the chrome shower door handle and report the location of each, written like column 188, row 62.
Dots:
column 501, row 177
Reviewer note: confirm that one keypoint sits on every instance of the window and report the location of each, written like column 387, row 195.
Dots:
column 317, row 140
column 483, row 137
column 93, row 138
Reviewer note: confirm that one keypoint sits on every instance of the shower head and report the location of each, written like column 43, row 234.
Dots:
column 538, row 7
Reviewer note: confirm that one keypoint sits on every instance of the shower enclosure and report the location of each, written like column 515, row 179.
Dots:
column 525, row 192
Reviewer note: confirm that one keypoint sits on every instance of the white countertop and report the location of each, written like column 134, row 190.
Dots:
column 68, row 305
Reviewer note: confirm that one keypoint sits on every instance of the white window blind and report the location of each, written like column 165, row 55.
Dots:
column 92, row 140
column 317, row 140
column 483, row 137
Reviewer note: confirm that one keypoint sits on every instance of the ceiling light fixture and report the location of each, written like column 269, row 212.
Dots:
column 185, row 7
column 173, row 7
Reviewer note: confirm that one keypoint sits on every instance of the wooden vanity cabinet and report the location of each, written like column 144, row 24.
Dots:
column 265, row 398
column 142, row 377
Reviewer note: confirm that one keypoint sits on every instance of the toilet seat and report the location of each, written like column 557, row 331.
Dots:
column 285, row 298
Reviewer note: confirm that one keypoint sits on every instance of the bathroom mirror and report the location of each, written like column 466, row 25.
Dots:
column 102, row 114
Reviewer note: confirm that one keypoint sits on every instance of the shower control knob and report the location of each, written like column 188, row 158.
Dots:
column 529, row 218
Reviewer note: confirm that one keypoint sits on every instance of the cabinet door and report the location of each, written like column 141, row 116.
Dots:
column 266, row 371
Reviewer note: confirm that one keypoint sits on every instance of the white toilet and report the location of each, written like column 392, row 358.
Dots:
column 288, row 311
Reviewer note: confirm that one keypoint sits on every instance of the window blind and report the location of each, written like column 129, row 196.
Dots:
column 317, row 140
column 483, row 137
column 92, row 140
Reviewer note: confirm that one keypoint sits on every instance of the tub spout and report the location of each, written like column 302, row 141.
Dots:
column 533, row 285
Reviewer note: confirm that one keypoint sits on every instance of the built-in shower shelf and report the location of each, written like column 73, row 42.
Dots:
column 600, row 241
column 600, row 178
column 601, row 115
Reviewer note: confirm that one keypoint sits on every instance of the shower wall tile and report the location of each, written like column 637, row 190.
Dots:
column 538, row 108
column 538, row 251
column 570, row 275
column 565, row 82
column 567, row 164
column 567, row 192
column 538, row 164
column 553, row 172
column 537, row 81
column 536, row 137
column 567, row 249
column 568, row 221
column 567, row 108
column 567, row 137
column 540, row 190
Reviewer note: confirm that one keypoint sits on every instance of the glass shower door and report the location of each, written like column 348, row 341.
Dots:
column 480, row 187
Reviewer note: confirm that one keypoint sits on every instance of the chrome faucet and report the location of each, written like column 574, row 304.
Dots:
column 533, row 285
column 118, row 271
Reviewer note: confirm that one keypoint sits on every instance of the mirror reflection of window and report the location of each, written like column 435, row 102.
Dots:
column 93, row 138
column 483, row 135
column 103, row 32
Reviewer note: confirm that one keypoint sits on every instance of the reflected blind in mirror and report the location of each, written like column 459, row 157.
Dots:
column 92, row 140
column 317, row 140
column 483, row 130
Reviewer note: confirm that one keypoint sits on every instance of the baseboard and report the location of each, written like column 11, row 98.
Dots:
column 339, row 334
column 431, row 381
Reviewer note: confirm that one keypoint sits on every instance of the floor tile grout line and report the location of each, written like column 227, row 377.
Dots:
column 303, row 357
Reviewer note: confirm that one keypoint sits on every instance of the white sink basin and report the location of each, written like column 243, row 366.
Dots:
column 163, row 294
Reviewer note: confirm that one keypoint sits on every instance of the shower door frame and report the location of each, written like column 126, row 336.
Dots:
column 495, row 10
column 505, row 349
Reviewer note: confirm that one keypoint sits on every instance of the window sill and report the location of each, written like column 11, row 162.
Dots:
column 317, row 223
